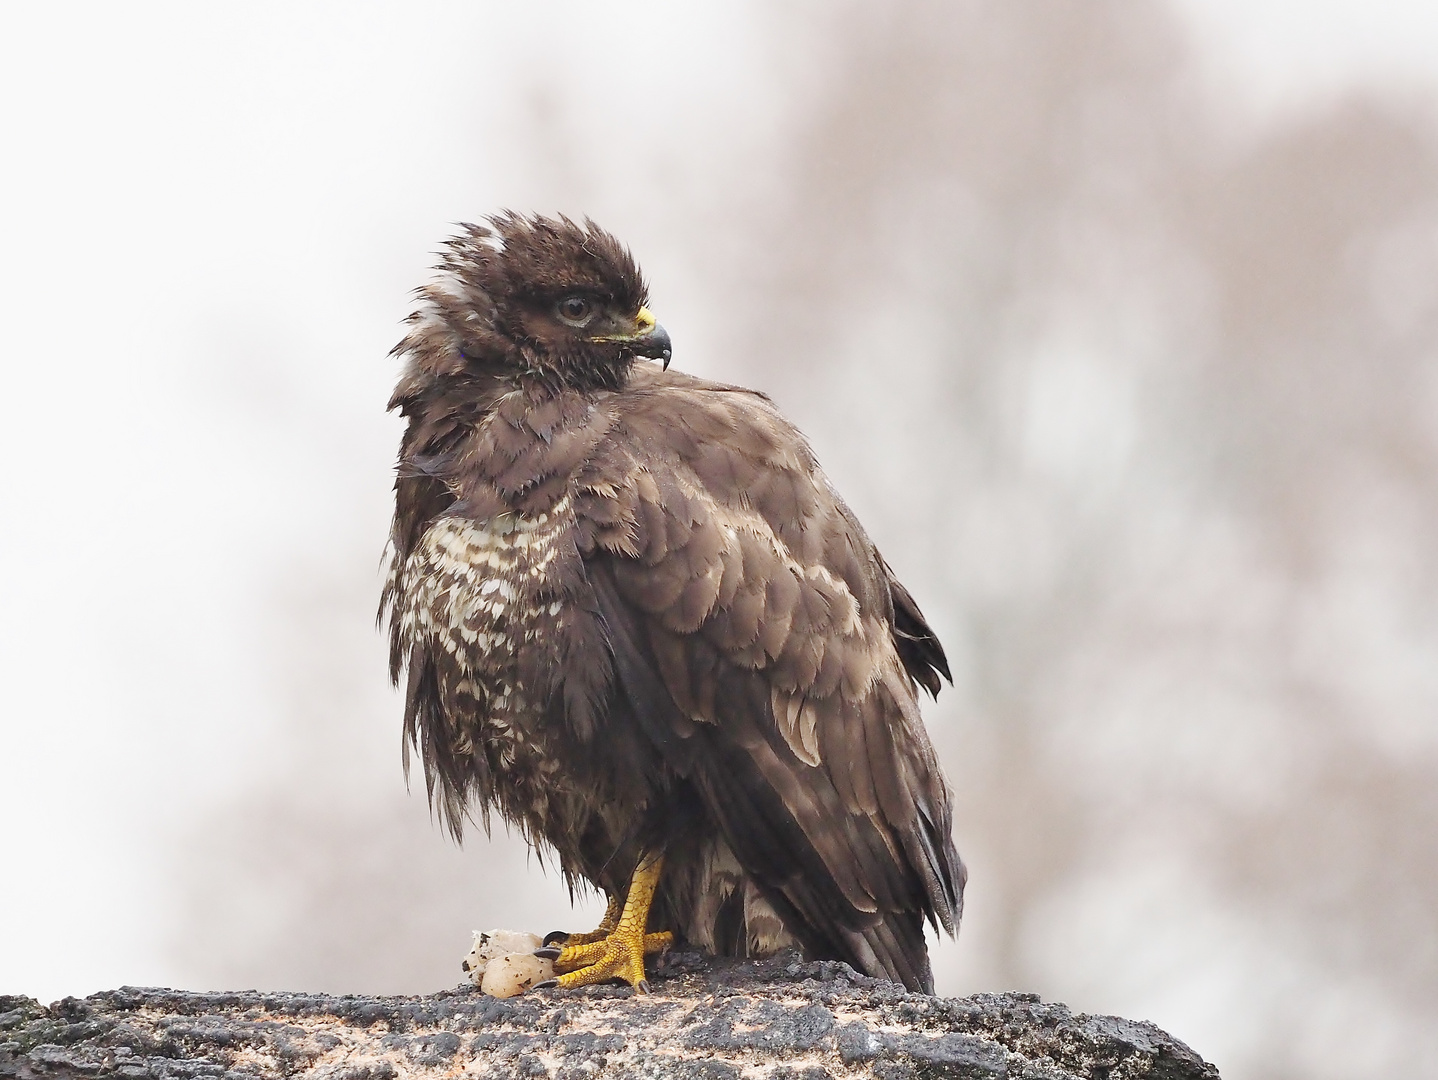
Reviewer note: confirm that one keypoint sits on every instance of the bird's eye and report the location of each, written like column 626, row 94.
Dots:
column 574, row 309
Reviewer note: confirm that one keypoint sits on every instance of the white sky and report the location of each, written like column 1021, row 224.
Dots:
column 212, row 218
column 1281, row 54
column 266, row 180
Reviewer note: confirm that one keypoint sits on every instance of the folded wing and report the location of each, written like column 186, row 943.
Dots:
column 764, row 645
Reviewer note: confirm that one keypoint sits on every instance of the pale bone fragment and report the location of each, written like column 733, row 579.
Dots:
column 514, row 973
column 490, row 944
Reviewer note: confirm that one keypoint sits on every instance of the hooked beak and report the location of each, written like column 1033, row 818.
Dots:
column 649, row 338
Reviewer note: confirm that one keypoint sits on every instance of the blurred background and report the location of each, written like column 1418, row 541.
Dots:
column 1116, row 323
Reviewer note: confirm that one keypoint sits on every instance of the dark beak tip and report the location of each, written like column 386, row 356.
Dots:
column 656, row 345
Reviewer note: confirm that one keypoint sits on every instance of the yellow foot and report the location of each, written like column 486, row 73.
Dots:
column 619, row 956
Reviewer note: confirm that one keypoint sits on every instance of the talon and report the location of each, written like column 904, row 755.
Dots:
column 549, row 952
column 599, row 933
column 547, row 984
column 618, row 954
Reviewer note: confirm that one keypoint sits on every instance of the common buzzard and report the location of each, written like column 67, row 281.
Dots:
column 631, row 614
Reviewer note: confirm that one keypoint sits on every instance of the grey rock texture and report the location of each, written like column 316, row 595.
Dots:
column 779, row 1019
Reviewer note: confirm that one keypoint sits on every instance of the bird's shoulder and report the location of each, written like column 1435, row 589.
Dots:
column 686, row 463
column 708, row 512
column 675, row 412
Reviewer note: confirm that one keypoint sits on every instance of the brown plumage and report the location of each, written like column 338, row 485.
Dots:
column 632, row 615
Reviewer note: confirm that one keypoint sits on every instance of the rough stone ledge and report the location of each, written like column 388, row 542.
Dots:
column 780, row 1019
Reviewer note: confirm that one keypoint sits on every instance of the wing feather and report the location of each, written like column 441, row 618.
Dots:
column 758, row 607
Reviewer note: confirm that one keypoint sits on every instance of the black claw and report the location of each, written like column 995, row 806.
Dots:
column 549, row 952
column 547, row 984
column 643, row 986
column 555, row 937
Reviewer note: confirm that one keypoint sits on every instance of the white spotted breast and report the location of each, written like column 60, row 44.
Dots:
column 483, row 590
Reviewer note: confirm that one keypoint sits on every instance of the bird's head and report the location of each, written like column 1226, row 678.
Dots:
column 543, row 296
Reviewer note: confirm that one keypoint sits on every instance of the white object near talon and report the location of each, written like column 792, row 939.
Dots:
column 490, row 945
column 514, row 973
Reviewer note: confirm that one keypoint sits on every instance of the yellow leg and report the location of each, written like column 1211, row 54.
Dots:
column 619, row 954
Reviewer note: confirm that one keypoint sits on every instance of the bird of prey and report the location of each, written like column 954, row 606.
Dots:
column 631, row 614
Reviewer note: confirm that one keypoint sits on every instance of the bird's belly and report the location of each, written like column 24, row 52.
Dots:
column 486, row 596
column 539, row 784
column 495, row 599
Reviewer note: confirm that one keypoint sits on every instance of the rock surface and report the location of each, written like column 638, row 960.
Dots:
column 779, row 1019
